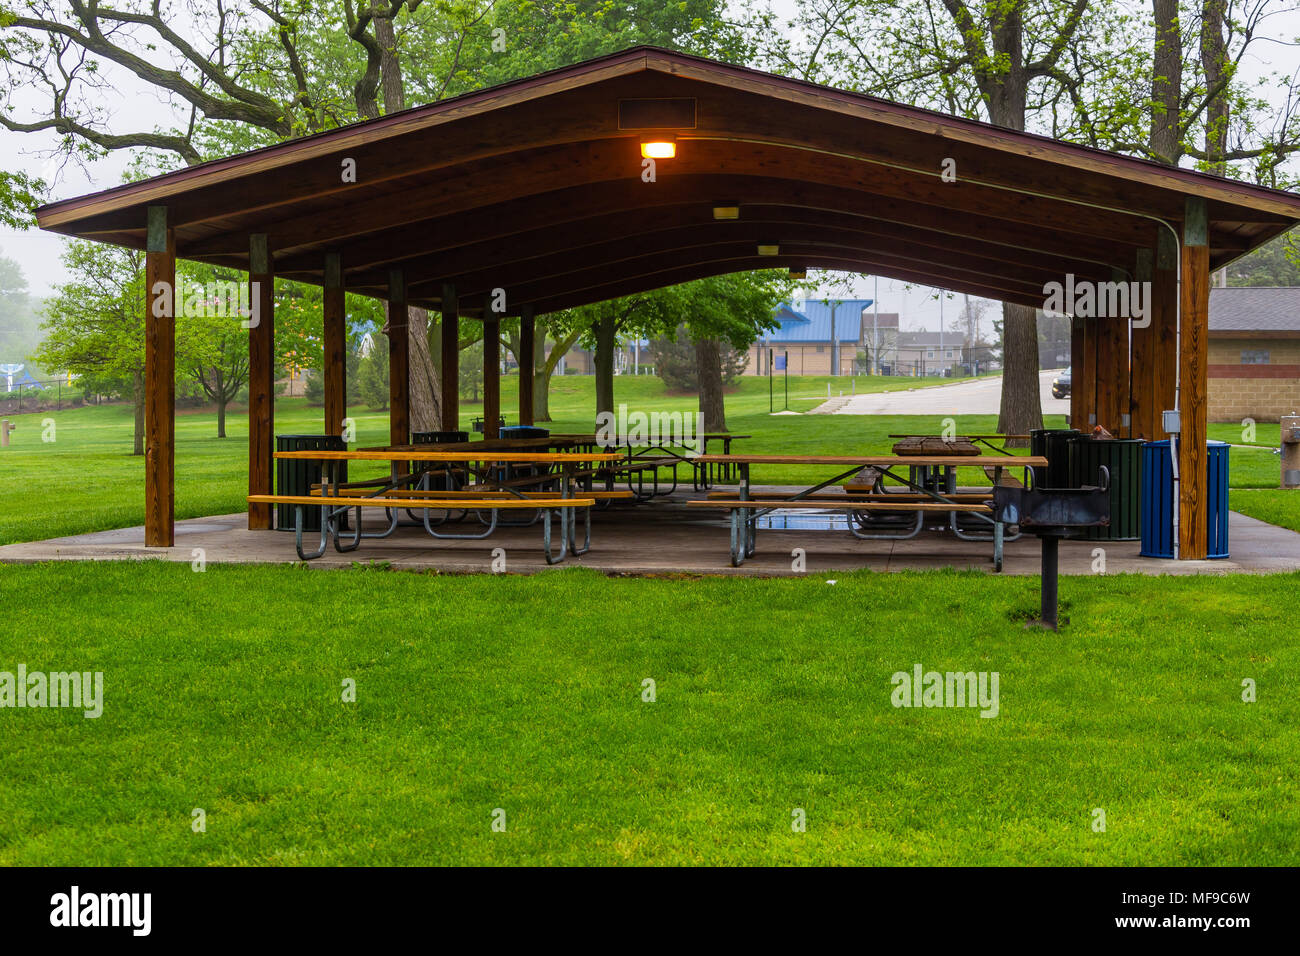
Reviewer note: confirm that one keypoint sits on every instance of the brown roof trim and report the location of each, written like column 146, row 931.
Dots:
column 640, row 58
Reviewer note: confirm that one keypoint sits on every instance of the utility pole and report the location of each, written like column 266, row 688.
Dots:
column 943, row 369
column 835, row 345
column 875, row 327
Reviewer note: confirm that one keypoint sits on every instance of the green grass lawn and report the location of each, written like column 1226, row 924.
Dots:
column 87, row 480
column 223, row 692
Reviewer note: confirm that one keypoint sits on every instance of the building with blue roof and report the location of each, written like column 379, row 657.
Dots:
column 804, row 336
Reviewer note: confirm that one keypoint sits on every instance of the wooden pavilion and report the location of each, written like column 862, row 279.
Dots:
column 535, row 196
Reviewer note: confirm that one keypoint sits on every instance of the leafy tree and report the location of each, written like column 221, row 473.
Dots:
column 372, row 374
column 1276, row 263
column 95, row 322
column 677, row 362
column 18, row 319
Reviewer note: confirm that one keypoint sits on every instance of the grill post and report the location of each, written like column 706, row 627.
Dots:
column 1047, row 581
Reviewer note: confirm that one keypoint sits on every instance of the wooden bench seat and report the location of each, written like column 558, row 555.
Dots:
column 846, row 505
column 480, row 493
column 836, row 496
column 332, row 506
column 440, row 504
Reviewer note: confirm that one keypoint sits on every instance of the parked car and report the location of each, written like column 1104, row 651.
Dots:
column 1061, row 385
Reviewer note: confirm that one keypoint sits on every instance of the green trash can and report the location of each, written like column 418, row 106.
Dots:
column 1122, row 457
column 296, row 476
column 1054, row 445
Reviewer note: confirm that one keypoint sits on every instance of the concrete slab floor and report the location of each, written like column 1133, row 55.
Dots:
column 662, row 537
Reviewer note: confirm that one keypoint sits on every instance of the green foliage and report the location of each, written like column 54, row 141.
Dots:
column 471, row 369
column 372, row 374
column 20, row 194
column 19, row 316
column 1276, row 263
column 95, row 321
column 677, row 363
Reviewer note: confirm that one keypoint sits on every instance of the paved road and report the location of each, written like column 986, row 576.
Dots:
column 981, row 397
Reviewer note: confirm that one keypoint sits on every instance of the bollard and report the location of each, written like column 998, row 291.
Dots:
column 1290, row 451
column 5, row 428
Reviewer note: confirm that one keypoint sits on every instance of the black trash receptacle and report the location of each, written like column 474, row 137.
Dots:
column 438, row 438
column 1122, row 457
column 525, row 431
column 296, row 476
column 1054, row 445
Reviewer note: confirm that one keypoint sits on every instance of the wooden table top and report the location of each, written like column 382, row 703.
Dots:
column 471, row 453
column 967, row 437
column 885, row 461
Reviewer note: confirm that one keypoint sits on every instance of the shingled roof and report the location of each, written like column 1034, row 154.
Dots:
column 1255, row 309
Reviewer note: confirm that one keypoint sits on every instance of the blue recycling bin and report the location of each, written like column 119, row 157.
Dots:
column 1158, row 502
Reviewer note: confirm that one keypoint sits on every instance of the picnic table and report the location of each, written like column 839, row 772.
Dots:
column 986, row 440
column 643, row 456
column 408, row 488
column 920, row 499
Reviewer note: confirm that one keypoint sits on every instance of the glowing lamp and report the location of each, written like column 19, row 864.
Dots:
column 659, row 149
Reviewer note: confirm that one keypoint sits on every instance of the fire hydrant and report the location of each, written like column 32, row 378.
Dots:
column 6, row 427
column 1290, row 451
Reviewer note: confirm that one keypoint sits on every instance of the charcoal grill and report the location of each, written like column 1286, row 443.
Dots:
column 1053, row 514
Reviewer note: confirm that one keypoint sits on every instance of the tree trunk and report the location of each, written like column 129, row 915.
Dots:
column 1166, row 82
column 1022, row 406
column 708, row 364
column 1007, row 93
column 220, row 394
column 426, row 407
column 541, row 375
column 138, row 397
column 606, row 333
column 1213, row 61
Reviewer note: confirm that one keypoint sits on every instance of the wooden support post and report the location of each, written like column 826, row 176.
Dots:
column 1141, row 403
column 1078, row 346
column 491, row 375
column 450, row 359
column 160, row 382
column 335, row 346
column 399, row 361
column 1112, row 366
column 261, row 379
column 1193, row 504
column 1164, row 324
column 527, row 345
column 1085, row 378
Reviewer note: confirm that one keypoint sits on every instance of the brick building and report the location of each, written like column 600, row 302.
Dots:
column 1254, row 353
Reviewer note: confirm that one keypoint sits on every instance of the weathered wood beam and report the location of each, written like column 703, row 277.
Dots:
column 1141, row 405
column 661, row 276
column 160, row 382
column 261, row 379
column 531, row 172
column 1193, row 497
column 1080, row 404
column 1113, row 370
